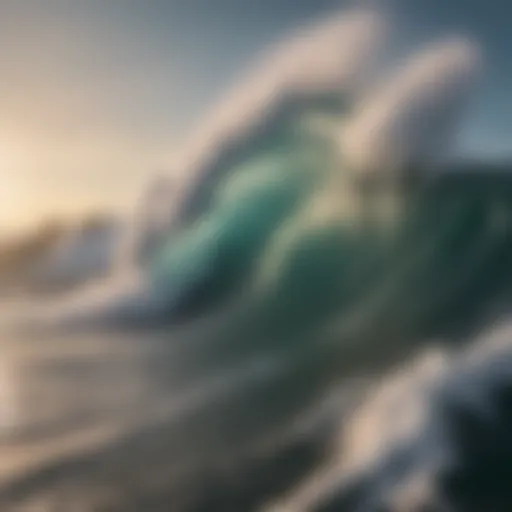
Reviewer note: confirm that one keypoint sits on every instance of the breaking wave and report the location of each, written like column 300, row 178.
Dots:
column 256, row 343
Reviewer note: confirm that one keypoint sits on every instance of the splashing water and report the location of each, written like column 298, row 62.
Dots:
column 317, row 236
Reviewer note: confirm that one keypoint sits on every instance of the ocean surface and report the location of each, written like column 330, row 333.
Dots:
column 388, row 392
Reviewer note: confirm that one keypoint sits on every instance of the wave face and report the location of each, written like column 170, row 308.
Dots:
column 316, row 237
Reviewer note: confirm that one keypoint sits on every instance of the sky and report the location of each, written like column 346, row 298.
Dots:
column 95, row 95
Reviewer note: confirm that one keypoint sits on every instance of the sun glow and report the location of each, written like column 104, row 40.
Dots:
column 13, row 207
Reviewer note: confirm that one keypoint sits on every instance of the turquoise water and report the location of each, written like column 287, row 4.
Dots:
column 228, row 367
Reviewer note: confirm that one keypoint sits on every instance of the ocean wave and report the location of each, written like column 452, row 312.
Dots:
column 316, row 239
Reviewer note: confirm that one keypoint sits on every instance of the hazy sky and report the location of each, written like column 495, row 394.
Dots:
column 95, row 94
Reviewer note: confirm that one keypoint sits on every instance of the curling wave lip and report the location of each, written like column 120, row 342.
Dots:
column 412, row 117
column 330, row 56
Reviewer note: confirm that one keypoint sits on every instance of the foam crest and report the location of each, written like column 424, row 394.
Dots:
column 329, row 56
column 411, row 118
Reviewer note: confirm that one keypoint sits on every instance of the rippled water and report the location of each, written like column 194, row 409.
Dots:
column 124, row 423
column 114, row 421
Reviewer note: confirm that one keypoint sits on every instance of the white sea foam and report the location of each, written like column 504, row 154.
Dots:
column 411, row 119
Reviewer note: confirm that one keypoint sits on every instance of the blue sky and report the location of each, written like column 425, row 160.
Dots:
column 95, row 94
